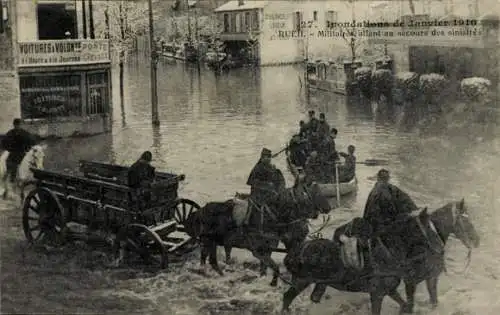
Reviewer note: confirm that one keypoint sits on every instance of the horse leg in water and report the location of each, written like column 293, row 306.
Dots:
column 265, row 258
column 432, row 288
column 298, row 285
column 410, row 288
column 203, row 256
column 228, row 248
column 211, row 247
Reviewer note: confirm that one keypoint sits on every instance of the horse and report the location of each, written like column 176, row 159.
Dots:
column 220, row 223
column 34, row 158
column 422, row 236
column 427, row 252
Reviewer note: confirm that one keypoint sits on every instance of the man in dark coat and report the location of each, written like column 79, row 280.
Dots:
column 262, row 181
column 347, row 171
column 386, row 203
column 323, row 126
column 298, row 150
column 141, row 174
column 385, row 207
column 328, row 155
column 18, row 142
column 312, row 132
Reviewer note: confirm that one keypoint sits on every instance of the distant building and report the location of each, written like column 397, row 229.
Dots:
column 287, row 31
column 64, row 73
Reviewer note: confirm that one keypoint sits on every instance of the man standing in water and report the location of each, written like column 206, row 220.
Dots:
column 18, row 142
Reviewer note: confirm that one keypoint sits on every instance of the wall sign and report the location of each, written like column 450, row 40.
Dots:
column 63, row 52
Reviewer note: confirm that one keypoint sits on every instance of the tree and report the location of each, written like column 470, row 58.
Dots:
column 125, row 22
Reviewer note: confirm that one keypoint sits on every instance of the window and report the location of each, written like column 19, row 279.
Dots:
column 238, row 23
column 331, row 18
column 247, row 21
column 297, row 21
column 315, row 16
column 50, row 95
column 255, row 20
column 55, row 20
column 226, row 23
column 232, row 29
column 97, row 96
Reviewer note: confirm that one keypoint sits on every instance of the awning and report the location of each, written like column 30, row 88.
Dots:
column 192, row 3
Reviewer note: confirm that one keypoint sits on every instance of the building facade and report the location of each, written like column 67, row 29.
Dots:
column 288, row 31
column 63, row 72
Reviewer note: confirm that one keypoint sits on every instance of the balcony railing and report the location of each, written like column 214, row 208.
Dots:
column 63, row 52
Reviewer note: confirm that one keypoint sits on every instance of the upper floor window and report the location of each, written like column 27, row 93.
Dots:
column 331, row 18
column 297, row 21
column 255, row 20
column 315, row 16
column 226, row 23
column 247, row 21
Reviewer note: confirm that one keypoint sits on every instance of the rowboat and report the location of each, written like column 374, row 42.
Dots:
column 327, row 189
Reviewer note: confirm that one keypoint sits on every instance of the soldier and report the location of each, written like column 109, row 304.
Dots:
column 262, row 181
column 18, row 142
column 141, row 174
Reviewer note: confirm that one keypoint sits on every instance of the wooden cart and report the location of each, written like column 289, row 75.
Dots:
column 148, row 222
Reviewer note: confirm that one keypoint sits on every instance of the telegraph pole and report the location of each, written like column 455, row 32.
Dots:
column 152, row 48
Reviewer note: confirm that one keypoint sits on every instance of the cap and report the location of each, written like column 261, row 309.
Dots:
column 147, row 156
column 383, row 174
column 266, row 153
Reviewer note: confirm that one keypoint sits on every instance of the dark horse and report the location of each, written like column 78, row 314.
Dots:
column 422, row 239
column 217, row 223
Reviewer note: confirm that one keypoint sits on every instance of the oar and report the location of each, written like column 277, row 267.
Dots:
column 279, row 152
column 373, row 162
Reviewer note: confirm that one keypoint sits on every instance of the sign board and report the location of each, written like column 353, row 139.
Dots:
column 63, row 52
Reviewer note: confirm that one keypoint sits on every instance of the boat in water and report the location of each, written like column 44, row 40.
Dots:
column 184, row 52
column 328, row 76
column 327, row 189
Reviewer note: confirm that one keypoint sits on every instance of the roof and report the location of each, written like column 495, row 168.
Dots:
column 247, row 5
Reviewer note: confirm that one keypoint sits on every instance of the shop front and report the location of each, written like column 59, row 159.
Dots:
column 65, row 87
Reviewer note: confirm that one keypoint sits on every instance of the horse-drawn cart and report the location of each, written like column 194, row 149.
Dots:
column 147, row 221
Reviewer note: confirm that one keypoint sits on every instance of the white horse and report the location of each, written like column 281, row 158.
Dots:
column 33, row 159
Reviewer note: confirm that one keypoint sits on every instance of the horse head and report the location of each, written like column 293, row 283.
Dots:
column 38, row 156
column 463, row 228
column 33, row 159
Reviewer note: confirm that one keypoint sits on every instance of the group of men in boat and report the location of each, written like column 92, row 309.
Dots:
column 313, row 148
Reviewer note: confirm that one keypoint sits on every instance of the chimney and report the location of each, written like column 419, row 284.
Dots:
column 241, row 2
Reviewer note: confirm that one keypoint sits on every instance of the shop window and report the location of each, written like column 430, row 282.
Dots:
column 50, row 95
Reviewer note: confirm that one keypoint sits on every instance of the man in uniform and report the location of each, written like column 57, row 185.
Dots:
column 18, row 142
column 323, row 126
column 312, row 131
column 262, row 182
column 328, row 154
column 141, row 174
column 386, row 203
column 347, row 171
column 312, row 169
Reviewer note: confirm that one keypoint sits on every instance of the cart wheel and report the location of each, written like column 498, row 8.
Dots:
column 183, row 210
column 139, row 240
column 44, row 217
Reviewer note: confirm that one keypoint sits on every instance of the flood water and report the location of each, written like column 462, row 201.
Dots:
column 213, row 129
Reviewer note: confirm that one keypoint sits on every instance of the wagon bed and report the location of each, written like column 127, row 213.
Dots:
column 149, row 221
